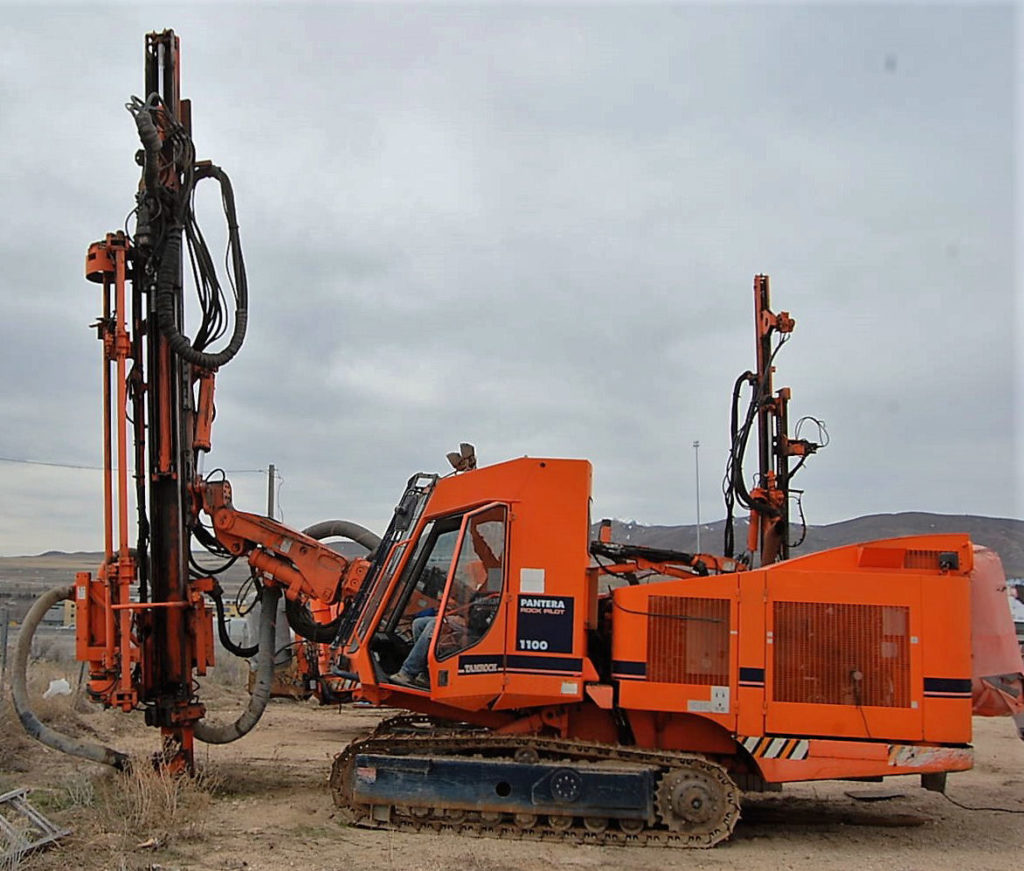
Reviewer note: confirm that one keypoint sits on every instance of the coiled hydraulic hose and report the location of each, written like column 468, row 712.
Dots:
column 181, row 217
column 217, row 733
column 299, row 617
column 168, row 288
column 34, row 727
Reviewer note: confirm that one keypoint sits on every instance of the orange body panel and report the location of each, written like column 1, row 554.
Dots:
column 867, row 642
column 854, row 662
column 830, row 760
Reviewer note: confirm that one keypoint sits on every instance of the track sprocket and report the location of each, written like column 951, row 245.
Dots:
column 698, row 800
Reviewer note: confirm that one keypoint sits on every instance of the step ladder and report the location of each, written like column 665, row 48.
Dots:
column 23, row 828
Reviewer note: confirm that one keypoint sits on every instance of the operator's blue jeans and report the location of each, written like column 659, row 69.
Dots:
column 422, row 631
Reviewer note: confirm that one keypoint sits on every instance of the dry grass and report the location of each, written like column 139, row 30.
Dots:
column 55, row 647
column 230, row 671
column 111, row 813
column 67, row 714
column 119, row 816
column 14, row 742
column 149, row 803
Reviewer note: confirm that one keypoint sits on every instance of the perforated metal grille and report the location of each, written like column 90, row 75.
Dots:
column 921, row 559
column 835, row 654
column 688, row 640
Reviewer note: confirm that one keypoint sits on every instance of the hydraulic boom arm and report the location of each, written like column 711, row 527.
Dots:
column 302, row 566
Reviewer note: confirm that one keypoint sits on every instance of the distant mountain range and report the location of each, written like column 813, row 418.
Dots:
column 1004, row 536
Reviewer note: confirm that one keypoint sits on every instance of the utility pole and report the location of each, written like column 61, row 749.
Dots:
column 271, row 473
column 5, row 619
column 282, row 640
column 696, row 460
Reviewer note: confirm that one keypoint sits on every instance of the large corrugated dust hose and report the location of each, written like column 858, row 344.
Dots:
column 210, row 733
column 216, row 733
column 37, row 729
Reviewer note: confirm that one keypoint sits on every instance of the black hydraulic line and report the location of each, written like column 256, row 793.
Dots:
column 169, row 271
column 734, row 485
column 217, row 594
column 150, row 138
column 301, row 620
column 166, row 306
column 37, row 729
column 614, row 550
column 216, row 733
column 299, row 617
column 209, row 541
column 137, row 396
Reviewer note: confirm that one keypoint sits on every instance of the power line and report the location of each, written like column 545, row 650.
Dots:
column 25, row 462
column 55, row 465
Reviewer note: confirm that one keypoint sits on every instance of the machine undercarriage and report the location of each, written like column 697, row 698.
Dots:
column 415, row 773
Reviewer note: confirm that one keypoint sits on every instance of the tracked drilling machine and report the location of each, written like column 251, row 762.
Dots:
column 569, row 687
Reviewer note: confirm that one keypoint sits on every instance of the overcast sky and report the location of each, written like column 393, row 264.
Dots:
column 535, row 228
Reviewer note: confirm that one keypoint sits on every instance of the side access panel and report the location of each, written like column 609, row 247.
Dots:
column 675, row 647
column 842, row 655
column 871, row 642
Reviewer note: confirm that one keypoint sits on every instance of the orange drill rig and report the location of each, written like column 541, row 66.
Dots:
column 558, row 685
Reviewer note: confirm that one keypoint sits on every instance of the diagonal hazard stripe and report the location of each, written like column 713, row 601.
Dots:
column 764, row 747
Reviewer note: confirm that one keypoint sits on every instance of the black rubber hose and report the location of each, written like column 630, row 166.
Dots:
column 216, row 733
column 166, row 306
column 302, row 622
column 299, row 617
column 217, row 594
column 150, row 138
column 34, row 727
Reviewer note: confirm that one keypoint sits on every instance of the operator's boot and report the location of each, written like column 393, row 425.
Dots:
column 416, row 681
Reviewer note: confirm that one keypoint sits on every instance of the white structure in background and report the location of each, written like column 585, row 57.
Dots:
column 239, row 631
column 1015, row 590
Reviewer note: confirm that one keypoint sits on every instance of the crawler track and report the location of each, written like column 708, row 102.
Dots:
column 696, row 802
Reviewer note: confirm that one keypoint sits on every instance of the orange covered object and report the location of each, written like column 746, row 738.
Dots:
column 998, row 671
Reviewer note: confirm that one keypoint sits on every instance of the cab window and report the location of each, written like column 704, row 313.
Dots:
column 419, row 591
column 477, row 582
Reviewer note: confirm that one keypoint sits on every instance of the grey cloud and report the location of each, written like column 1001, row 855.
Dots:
column 535, row 228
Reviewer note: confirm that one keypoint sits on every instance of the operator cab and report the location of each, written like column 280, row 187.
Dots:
column 460, row 554
column 454, row 579
column 479, row 590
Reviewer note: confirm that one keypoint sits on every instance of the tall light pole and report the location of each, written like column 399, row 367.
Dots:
column 271, row 475
column 696, row 461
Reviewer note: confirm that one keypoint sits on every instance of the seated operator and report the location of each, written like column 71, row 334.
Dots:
column 413, row 672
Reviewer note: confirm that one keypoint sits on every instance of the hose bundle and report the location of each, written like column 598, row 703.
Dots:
column 166, row 211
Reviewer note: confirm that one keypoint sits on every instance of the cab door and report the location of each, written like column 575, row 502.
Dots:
column 467, row 655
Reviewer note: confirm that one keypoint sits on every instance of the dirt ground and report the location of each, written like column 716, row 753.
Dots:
column 269, row 808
